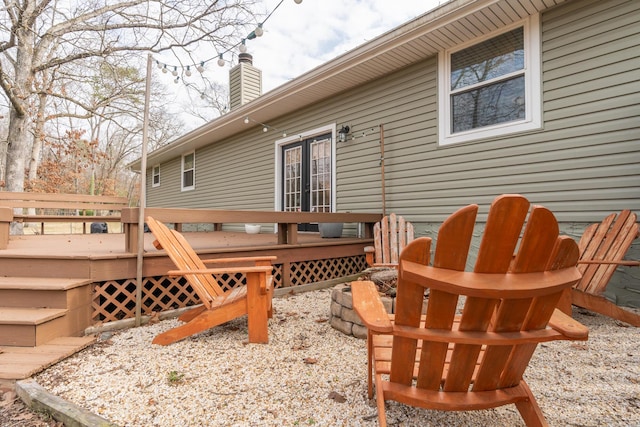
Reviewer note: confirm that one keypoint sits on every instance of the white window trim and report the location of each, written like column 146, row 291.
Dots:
column 277, row 200
column 153, row 175
column 182, row 186
column 533, row 92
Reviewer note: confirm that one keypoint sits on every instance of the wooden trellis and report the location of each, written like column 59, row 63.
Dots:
column 115, row 299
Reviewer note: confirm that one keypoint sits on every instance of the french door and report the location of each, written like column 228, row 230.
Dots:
column 306, row 177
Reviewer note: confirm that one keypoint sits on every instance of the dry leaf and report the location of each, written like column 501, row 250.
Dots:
column 310, row 360
column 337, row 397
column 155, row 318
column 323, row 320
column 24, row 416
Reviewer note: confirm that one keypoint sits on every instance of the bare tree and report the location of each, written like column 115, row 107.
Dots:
column 41, row 36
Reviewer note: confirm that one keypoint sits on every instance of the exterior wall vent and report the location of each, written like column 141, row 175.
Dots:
column 245, row 82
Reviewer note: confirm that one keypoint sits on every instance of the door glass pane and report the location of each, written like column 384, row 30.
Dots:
column 292, row 179
column 320, row 176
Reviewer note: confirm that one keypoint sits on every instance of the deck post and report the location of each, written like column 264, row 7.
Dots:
column 6, row 216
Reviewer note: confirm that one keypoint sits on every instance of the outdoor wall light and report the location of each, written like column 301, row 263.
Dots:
column 343, row 132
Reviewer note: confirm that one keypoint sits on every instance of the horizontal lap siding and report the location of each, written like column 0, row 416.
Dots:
column 584, row 165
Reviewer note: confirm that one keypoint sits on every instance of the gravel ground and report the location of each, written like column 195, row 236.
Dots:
column 310, row 374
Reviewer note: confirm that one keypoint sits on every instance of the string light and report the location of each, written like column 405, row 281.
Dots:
column 259, row 31
column 265, row 127
column 242, row 47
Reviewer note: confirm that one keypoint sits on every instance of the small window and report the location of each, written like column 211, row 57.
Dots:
column 155, row 176
column 491, row 87
column 188, row 171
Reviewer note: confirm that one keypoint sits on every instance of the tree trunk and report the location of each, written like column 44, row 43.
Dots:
column 19, row 119
column 16, row 155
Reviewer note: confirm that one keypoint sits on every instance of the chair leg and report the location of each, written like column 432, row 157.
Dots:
column 382, row 414
column 529, row 409
column 189, row 315
column 603, row 306
column 369, row 364
column 257, row 309
column 206, row 320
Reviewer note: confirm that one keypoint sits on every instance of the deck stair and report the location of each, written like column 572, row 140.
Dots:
column 42, row 321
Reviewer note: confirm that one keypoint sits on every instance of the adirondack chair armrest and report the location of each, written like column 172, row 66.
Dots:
column 265, row 285
column 628, row 263
column 567, row 326
column 240, row 269
column 253, row 259
column 368, row 305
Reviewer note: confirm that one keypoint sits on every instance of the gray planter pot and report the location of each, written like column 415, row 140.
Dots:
column 330, row 229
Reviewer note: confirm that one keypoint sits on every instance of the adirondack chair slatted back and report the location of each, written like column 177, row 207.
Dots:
column 444, row 366
column 606, row 241
column 391, row 235
column 185, row 258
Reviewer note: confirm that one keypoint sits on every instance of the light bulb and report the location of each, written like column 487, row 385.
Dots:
column 297, row 1
column 188, row 71
column 284, row 134
column 259, row 31
column 164, row 69
column 243, row 47
column 221, row 61
column 175, row 71
column 176, row 80
column 246, row 120
column 264, row 129
column 159, row 64
column 200, row 67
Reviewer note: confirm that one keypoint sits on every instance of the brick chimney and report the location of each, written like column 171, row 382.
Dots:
column 245, row 82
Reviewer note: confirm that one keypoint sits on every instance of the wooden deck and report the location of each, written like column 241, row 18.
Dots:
column 41, row 273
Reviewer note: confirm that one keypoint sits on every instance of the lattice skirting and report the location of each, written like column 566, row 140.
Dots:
column 116, row 299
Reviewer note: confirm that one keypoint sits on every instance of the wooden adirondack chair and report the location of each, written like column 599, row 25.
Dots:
column 602, row 249
column 390, row 236
column 476, row 360
column 218, row 306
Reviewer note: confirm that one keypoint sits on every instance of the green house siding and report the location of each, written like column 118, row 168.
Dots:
column 583, row 164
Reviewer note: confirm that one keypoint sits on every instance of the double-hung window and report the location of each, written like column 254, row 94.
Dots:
column 491, row 87
column 189, row 171
column 155, row 176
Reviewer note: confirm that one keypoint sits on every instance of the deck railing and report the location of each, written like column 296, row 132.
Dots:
column 287, row 222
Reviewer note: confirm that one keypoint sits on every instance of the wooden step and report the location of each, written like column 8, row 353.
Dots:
column 31, row 326
column 18, row 363
column 44, row 292
column 42, row 283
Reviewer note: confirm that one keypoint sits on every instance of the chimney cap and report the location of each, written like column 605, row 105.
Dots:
column 245, row 57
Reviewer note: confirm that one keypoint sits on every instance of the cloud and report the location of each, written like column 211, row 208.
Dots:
column 298, row 38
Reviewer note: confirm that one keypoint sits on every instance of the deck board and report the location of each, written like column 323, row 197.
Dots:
column 42, row 283
column 29, row 316
column 22, row 362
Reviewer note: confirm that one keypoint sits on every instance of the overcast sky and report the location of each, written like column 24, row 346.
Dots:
column 299, row 37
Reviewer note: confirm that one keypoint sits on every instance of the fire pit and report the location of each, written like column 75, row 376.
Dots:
column 344, row 318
